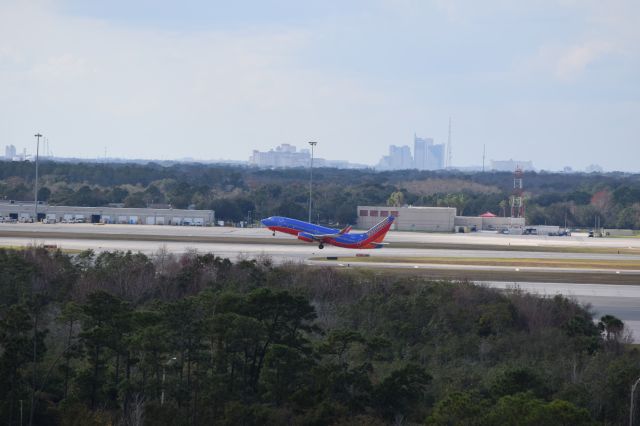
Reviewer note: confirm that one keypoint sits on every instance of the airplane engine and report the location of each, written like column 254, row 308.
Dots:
column 304, row 236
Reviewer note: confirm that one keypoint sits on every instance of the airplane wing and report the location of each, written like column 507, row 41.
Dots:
column 323, row 236
column 345, row 230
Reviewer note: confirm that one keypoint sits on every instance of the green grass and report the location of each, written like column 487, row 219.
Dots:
column 497, row 261
column 29, row 247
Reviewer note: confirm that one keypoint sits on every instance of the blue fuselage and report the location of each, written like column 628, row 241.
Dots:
column 309, row 232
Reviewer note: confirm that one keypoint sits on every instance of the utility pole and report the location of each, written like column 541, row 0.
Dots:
column 313, row 144
column 449, row 148
column 38, row 136
column 483, row 154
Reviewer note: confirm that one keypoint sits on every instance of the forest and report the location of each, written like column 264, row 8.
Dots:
column 129, row 339
column 236, row 193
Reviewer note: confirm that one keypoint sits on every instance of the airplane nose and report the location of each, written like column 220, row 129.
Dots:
column 267, row 222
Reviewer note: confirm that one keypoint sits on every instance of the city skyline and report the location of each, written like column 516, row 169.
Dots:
column 287, row 156
column 554, row 82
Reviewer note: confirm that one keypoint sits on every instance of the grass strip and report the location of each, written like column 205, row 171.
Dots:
column 509, row 276
column 495, row 261
column 29, row 247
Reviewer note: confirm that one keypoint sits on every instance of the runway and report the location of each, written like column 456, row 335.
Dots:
column 250, row 235
column 587, row 286
column 622, row 301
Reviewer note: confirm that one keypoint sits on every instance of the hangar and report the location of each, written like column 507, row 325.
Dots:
column 409, row 218
column 24, row 212
column 435, row 219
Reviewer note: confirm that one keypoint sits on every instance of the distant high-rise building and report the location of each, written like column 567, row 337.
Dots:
column 9, row 152
column 284, row 155
column 511, row 165
column 593, row 168
column 435, row 157
column 400, row 157
column 427, row 155
column 420, row 151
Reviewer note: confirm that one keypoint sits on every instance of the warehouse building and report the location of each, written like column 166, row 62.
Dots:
column 409, row 218
column 435, row 219
column 515, row 225
column 24, row 212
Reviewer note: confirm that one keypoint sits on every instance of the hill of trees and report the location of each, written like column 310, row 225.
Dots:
column 123, row 338
column 238, row 192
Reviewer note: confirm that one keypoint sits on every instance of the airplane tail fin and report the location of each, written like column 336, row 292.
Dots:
column 378, row 232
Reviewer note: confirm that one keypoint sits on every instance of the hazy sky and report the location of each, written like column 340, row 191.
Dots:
column 556, row 82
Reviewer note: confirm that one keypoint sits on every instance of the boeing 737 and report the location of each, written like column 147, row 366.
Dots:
column 305, row 231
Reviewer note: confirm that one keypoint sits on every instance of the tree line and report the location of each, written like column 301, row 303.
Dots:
column 241, row 193
column 125, row 338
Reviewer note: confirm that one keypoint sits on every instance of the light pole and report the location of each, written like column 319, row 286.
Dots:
column 35, row 209
column 313, row 144
column 631, row 405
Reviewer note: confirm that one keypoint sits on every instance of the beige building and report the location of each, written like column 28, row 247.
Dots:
column 470, row 223
column 435, row 219
column 145, row 216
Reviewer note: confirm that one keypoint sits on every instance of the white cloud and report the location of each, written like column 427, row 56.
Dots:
column 198, row 91
column 567, row 63
column 574, row 60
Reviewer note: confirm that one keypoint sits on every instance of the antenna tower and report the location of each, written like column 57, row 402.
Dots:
column 517, row 200
column 449, row 158
column 483, row 154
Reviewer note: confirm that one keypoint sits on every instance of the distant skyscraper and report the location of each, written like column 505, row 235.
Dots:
column 427, row 155
column 400, row 157
column 9, row 152
column 420, row 146
column 287, row 155
column 594, row 168
column 435, row 157
column 283, row 156
column 511, row 165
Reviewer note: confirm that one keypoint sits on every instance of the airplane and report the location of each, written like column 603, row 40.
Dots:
column 305, row 231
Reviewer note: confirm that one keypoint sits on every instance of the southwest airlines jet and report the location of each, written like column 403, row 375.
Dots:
column 322, row 235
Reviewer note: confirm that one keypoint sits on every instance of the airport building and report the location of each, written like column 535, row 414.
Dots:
column 409, row 218
column 25, row 212
column 435, row 219
column 484, row 222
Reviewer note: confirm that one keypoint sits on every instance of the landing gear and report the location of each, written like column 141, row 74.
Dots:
column 320, row 246
column 274, row 233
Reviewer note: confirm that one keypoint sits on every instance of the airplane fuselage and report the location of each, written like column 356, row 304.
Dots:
column 310, row 232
